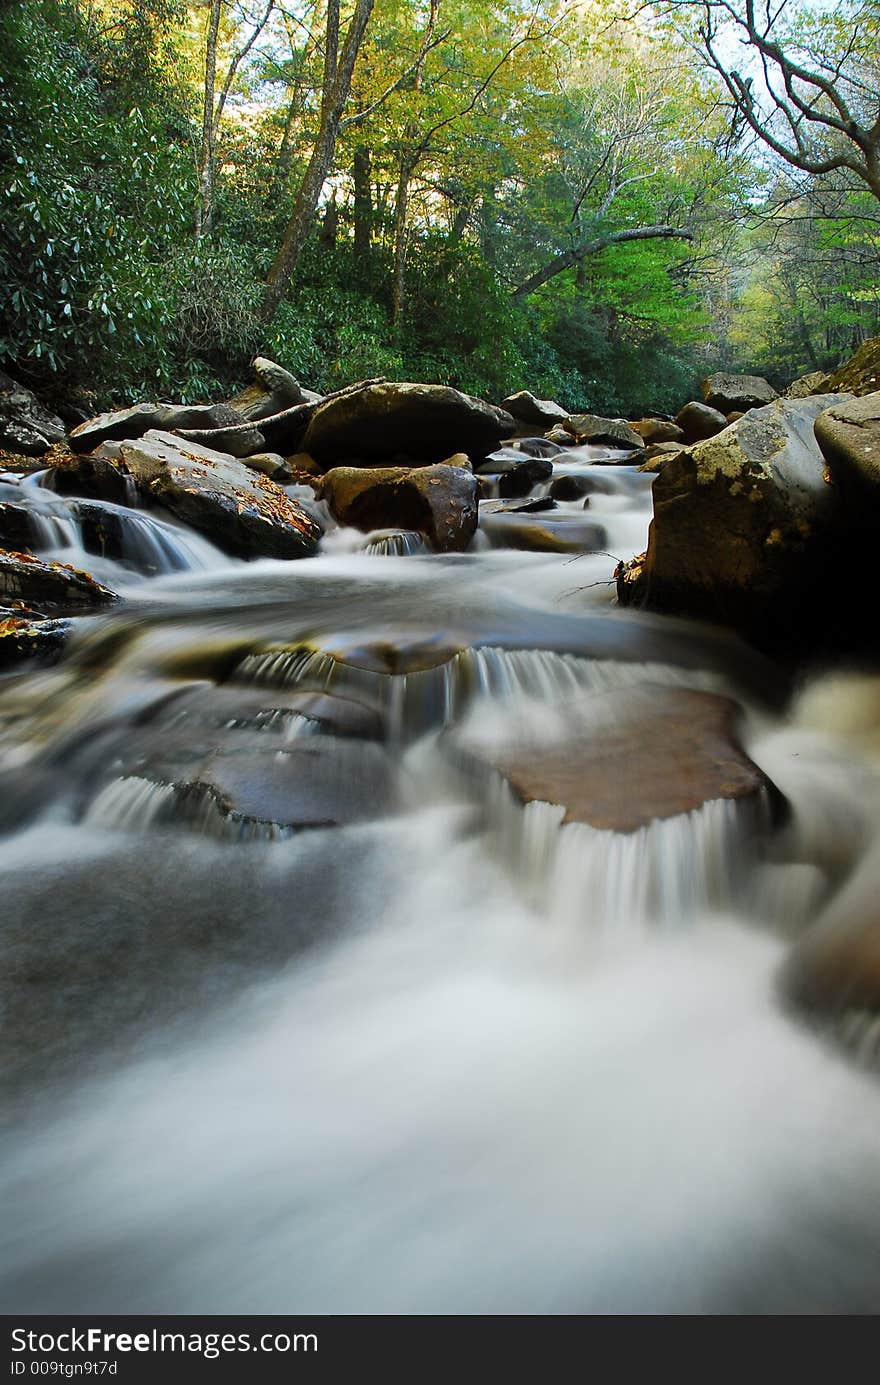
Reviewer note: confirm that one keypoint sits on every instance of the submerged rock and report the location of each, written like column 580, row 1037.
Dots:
column 729, row 393
column 410, row 422
column 631, row 756
column 49, row 586
column 538, row 533
column 570, row 487
column 744, row 525
column 241, row 511
column 438, row 501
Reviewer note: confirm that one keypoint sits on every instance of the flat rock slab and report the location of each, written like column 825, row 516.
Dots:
column 410, row 421
column 141, row 418
column 239, row 510
column 636, row 754
column 49, row 586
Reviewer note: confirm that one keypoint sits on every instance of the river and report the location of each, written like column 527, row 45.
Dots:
column 444, row 1055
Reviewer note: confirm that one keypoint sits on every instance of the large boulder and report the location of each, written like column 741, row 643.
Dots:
column 805, row 385
column 239, row 510
column 627, row 758
column 698, row 422
column 525, row 408
column 737, row 393
column 745, row 526
column 141, row 418
column 860, row 374
column 25, row 425
column 437, row 501
column 521, row 478
column 402, row 424
column 609, row 432
column 273, row 390
column 49, row 586
column 849, row 436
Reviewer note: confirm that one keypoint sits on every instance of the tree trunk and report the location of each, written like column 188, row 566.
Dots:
column 205, row 203
column 363, row 210
column 401, row 207
column 338, row 77
column 592, row 247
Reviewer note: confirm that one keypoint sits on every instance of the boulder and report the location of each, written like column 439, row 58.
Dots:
column 49, row 586
column 527, row 409
column 699, row 421
column 241, row 511
column 141, row 418
column 737, row 392
column 610, row 432
column 805, row 385
column 536, row 447
column 437, row 501
column 560, row 435
column 626, row 758
column 849, row 436
column 26, row 426
column 744, row 525
column 274, row 389
column 403, row 424
column 570, row 487
column 860, row 374
column 658, row 454
column 657, row 430
column 97, row 476
column 522, row 478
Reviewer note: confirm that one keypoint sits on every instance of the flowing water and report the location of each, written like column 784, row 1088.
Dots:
column 302, row 1016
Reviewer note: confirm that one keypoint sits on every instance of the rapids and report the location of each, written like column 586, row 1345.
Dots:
column 451, row 1054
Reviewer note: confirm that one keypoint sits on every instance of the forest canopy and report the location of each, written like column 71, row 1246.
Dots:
column 598, row 202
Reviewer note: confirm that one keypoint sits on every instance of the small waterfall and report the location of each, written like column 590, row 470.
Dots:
column 662, row 876
column 400, row 543
column 130, row 804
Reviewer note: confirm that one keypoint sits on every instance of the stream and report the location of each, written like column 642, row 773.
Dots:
column 303, row 1015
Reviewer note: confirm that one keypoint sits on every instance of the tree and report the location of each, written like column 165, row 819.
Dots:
column 812, row 94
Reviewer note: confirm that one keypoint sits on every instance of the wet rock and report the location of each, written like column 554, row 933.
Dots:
column 141, row 418
column 632, row 756
column 657, row 430
column 859, row 375
column 101, row 530
column 522, row 477
column 835, row 966
column 410, row 422
column 437, row 501
column 570, row 487
column 530, row 507
column 283, row 713
column 98, row 476
column 613, row 432
column 699, row 421
column 566, row 534
column 23, row 638
column 536, row 447
column 17, row 527
column 849, row 436
column 744, row 526
column 737, row 392
column 241, row 511
column 49, row 586
column 527, row 409
column 26, row 426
